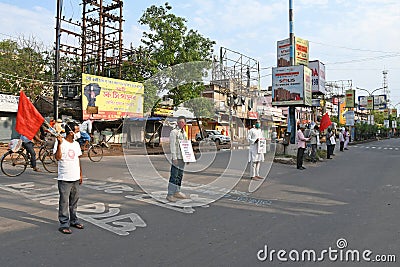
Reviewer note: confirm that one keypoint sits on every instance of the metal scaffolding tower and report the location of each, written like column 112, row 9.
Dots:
column 99, row 35
column 237, row 72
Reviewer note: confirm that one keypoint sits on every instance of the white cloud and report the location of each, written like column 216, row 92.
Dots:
column 38, row 22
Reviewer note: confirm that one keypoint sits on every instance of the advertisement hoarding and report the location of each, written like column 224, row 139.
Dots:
column 385, row 113
column 365, row 102
column 380, row 102
column 349, row 116
column 110, row 99
column 283, row 53
column 300, row 52
column 393, row 112
column 350, row 98
column 386, row 123
column 291, row 86
column 318, row 76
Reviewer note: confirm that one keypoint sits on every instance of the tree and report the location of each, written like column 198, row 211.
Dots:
column 169, row 43
column 24, row 66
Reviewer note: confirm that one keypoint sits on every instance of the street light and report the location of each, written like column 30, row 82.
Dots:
column 370, row 93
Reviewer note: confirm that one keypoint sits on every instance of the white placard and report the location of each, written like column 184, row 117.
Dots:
column 262, row 145
column 187, row 151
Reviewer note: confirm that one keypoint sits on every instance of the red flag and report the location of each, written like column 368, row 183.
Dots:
column 325, row 122
column 29, row 119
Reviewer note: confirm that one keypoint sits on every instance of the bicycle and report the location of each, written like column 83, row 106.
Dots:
column 94, row 151
column 308, row 153
column 47, row 157
column 13, row 163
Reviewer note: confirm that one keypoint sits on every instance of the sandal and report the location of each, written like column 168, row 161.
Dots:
column 65, row 230
column 78, row 226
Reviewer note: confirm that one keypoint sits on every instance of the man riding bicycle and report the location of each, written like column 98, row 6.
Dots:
column 28, row 145
column 85, row 133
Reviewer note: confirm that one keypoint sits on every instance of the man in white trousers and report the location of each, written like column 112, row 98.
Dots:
column 255, row 158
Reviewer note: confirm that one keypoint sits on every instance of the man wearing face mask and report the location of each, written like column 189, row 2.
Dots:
column 255, row 158
column 67, row 152
column 178, row 165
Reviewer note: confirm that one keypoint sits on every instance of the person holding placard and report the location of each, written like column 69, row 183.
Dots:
column 256, row 150
column 178, row 164
column 301, row 146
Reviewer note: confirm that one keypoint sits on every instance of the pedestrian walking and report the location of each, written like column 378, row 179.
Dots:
column 67, row 152
column 341, row 139
column 329, row 146
column 255, row 158
column 177, row 164
column 346, row 138
column 314, row 139
column 301, row 146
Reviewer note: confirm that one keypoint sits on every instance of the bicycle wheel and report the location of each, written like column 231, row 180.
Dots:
column 13, row 164
column 41, row 153
column 95, row 153
column 49, row 162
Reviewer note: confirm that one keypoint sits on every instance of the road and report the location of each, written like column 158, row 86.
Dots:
column 346, row 204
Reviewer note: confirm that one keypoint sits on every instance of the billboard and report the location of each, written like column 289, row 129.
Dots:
column 110, row 99
column 291, row 86
column 318, row 76
column 365, row 102
column 393, row 112
column 300, row 52
column 349, row 117
column 283, row 53
column 380, row 102
column 350, row 98
column 386, row 113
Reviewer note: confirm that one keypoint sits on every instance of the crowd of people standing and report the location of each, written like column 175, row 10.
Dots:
column 313, row 137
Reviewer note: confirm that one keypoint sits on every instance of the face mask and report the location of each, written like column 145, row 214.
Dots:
column 258, row 125
column 77, row 135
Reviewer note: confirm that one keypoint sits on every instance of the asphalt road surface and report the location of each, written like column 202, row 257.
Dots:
column 327, row 215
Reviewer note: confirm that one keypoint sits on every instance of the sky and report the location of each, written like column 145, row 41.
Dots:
column 355, row 39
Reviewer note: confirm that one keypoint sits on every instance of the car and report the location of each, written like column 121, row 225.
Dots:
column 217, row 137
column 152, row 139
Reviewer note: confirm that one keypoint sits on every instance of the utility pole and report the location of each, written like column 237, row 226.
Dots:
column 57, row 60
column 292, row 109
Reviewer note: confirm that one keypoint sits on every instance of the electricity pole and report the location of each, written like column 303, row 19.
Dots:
column 57, row 60
column 292, row 109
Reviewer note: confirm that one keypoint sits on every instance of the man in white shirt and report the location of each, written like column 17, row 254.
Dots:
column 178, row 165
column 67, row 152
column 86, row 132
column 255, row 158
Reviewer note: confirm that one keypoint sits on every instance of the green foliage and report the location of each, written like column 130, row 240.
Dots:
column 201, row 107
column 378, row 116
column 169, row 43
column 365, row 131
column 24, row 66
